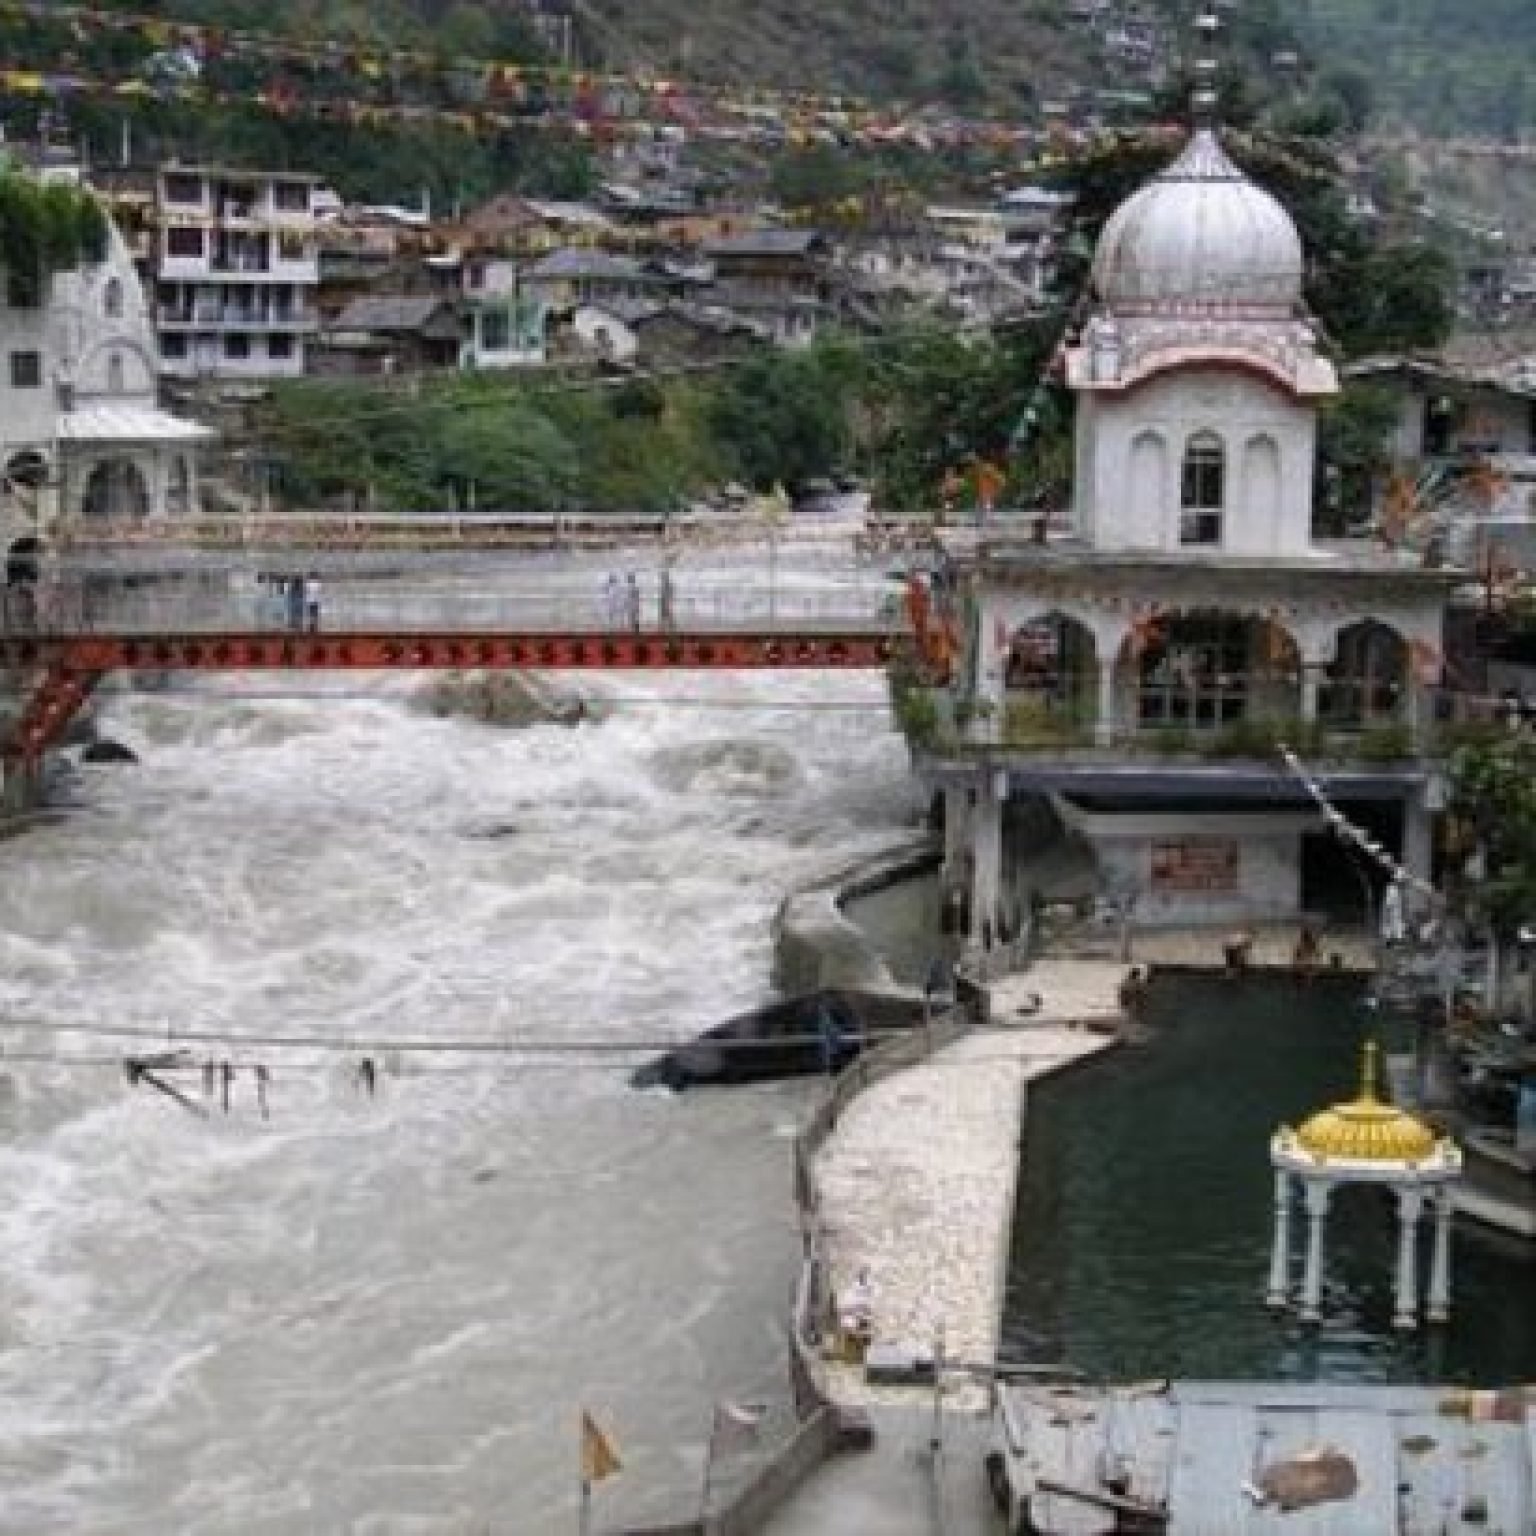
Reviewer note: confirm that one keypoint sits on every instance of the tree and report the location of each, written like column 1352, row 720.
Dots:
column 1352, row 450
column 1493, row 793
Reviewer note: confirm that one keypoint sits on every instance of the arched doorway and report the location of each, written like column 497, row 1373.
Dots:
column 116, row 490
column 1206, row 670
column 1367, row 681
column 1050, row 679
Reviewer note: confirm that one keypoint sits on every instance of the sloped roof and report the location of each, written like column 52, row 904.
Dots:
column 390, row 312
column 572, row 263
column 127, row 424
column 766, row 242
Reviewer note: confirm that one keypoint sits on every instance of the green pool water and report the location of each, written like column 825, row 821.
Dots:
column 1142, row 1231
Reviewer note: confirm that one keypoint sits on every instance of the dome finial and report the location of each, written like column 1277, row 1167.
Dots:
column 1205, row 99
column 1369, row 1072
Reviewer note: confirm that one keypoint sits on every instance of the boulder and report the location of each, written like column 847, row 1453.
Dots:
column 501, row 698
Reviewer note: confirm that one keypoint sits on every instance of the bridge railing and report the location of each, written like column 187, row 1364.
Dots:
column 199, row 607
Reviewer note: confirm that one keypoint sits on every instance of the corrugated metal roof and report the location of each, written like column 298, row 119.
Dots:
column 127, row 424
column 1418, row 1461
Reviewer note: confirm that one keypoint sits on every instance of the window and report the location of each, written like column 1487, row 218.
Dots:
column 291, row 196
column 280, row 347
column 184, row 189
column 495, row 330
column 115, row 374
column 173, row 346
column 237, row 347
column 1204, row 490
column 181, row 240
column 112, row 299
column 26, row 370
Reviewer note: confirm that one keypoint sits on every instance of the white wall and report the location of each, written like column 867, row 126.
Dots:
column 1268, row 873
column 1268, row 491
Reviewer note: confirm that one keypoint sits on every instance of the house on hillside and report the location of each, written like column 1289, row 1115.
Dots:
column 572, row 276
column 235, row 268
column 1466, row 434
column 781, row 279
column 386, row 334
column 506, row 324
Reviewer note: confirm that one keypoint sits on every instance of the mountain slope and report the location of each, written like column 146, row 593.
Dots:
column 1440, row 66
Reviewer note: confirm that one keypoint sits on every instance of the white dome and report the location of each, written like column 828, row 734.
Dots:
column 1200, row 234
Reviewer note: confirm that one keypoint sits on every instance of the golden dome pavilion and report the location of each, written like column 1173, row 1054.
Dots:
column 1365, row 1129
column 1365, row 1141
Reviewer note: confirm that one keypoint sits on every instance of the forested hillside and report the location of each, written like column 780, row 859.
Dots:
column 1442, row 67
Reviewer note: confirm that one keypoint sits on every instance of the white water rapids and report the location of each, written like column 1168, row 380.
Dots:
column 382, row 1315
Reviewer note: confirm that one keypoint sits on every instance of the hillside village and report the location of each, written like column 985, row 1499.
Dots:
column 717, row 227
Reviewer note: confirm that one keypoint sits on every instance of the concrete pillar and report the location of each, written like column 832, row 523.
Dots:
column 1280, row 1253
column 1104, row 721
column 22, row 790
column 1317, row 1193
column 1439, row 1298
column 987, row 853
column 955, row 829
column 1405, row 1288
column 1311, row 673
column 1418, row 834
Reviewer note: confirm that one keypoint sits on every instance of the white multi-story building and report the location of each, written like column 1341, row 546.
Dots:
column 236, row 267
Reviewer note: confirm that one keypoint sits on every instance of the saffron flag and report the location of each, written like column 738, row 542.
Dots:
column 599, row 1458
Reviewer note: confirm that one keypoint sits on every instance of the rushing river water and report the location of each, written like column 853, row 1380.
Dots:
column 382, row 1314
column 1141, row 1241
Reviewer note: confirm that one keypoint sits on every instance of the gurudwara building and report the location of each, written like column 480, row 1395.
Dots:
column 1136, row 671
column 82, row 435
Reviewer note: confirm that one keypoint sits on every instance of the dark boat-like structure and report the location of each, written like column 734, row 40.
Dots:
column 815, row 1032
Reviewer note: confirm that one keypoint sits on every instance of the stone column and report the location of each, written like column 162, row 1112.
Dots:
column 1440, row 1265
column 1280, row 1254
column 987, row 853
column 1405, row 1289
column 1104, row 721
column 1317, row 1193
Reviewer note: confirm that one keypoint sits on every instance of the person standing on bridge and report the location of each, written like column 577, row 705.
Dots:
column 312, row 602
column 666, row 598
column 613, row 601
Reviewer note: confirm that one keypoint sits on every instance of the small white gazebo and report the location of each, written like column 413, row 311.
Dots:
column 1365, row 1141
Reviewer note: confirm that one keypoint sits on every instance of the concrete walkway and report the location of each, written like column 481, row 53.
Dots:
column 899, row 1488
column 917, row 1186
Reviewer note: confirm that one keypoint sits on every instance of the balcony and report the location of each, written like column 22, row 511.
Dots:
column 234, row 318
column 940, row 727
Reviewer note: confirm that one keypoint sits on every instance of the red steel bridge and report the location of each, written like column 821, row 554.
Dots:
column 64, row 668
column 403, row 602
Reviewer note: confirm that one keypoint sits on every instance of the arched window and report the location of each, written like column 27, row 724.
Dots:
column 1204, row 490
column 115, row 374
column 112, row 299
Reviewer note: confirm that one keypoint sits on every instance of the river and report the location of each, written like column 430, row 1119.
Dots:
column 383, row 1314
